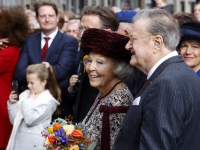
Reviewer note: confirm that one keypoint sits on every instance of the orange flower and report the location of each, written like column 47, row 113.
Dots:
column 77, row 133
column 56, row 126
column 51, row 138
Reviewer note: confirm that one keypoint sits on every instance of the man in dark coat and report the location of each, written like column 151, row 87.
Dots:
column 50, row 45
column 165, row 113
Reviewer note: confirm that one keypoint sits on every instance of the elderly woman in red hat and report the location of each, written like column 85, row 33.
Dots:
column 107, row 66
column 189, row 46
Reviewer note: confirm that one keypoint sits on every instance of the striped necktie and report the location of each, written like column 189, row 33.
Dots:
column 45, row 48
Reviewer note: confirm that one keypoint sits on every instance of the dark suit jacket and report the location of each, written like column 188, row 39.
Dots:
column 168, row 115
column 61, row 55
column 135, row 81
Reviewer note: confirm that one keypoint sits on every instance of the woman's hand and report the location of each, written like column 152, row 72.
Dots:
column 12, row 97
column 33, row 95
column 72, row 82
column 2, row 43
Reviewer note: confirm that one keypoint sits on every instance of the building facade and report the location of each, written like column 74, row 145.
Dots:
column 72, row 5
column 77, row 5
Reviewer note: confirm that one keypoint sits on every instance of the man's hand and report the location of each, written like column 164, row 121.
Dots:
column 72, row 81
column 3, row 43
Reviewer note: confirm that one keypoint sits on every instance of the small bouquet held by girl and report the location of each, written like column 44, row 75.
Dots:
column 62, row 135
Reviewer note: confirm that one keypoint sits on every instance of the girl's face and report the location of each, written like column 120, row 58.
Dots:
column 34, row 84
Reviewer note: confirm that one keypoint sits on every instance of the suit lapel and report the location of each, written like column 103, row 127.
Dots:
column 37, row 48
column 53, row 46
column 160, row 68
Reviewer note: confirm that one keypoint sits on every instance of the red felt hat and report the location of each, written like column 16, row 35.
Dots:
column 110, row 44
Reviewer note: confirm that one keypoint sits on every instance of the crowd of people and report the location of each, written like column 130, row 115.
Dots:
column 132, row 77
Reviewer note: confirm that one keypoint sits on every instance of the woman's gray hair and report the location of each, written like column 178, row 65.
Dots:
column 122, row 70
column 161, row 22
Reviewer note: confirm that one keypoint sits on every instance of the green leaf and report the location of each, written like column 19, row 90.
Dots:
column 92, row 146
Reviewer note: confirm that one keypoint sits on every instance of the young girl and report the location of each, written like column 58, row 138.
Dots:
column 33, row 112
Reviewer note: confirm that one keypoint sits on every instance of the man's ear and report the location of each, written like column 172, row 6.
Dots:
column 127, row 32
column 57, row 17
column 158, row 43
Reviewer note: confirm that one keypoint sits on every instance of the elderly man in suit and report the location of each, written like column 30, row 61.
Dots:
column 165, row 113
column 50, row 46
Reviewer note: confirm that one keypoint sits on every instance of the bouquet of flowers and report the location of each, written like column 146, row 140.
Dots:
column 62, row 135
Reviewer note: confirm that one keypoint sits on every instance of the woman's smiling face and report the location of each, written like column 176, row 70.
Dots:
column 100, row 70
column 190, row 50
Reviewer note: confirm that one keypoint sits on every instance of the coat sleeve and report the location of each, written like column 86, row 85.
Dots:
column 5, row 60
column 66, row 59
column 22, row 64
column 12, row 110
column 35, row 115
column 165, row 110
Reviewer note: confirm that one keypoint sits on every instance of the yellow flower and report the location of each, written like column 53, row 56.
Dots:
column 68, row 129
column 75, row 147
column 50, row 129
column 84, row 58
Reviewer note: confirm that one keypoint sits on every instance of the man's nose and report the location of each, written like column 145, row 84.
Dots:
column 47, row 18
column 128, row 46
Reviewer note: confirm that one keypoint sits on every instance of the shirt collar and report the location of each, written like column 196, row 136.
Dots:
column 52, row 35
column 174, row 53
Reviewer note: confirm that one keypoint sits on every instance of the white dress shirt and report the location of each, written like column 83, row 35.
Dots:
column 174, row 53
column 51, row 36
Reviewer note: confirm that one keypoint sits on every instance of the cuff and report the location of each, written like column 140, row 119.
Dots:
column 71, row 92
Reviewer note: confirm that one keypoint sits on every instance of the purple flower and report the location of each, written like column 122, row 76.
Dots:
column 82, row 124
column 83, row 129
column 81, row 145
column 61, row 130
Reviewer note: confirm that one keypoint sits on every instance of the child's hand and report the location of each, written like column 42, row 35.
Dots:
column 12, row 97
column 33, row 95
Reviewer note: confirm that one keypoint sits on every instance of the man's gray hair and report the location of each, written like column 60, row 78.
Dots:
column 162, row 23
column 123, row 70
column 72, row 21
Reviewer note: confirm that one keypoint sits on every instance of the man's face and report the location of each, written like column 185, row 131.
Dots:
column 89, row 21
column 72, row 29
column 197, row 12
column 140, row 47
column 47, row 19
column 159, row 3
column 127, row 4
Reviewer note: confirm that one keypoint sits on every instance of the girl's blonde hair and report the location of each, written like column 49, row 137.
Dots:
column 44, row 73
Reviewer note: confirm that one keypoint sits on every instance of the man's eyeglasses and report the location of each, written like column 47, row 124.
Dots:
column 131, row 38
column 81, row 29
